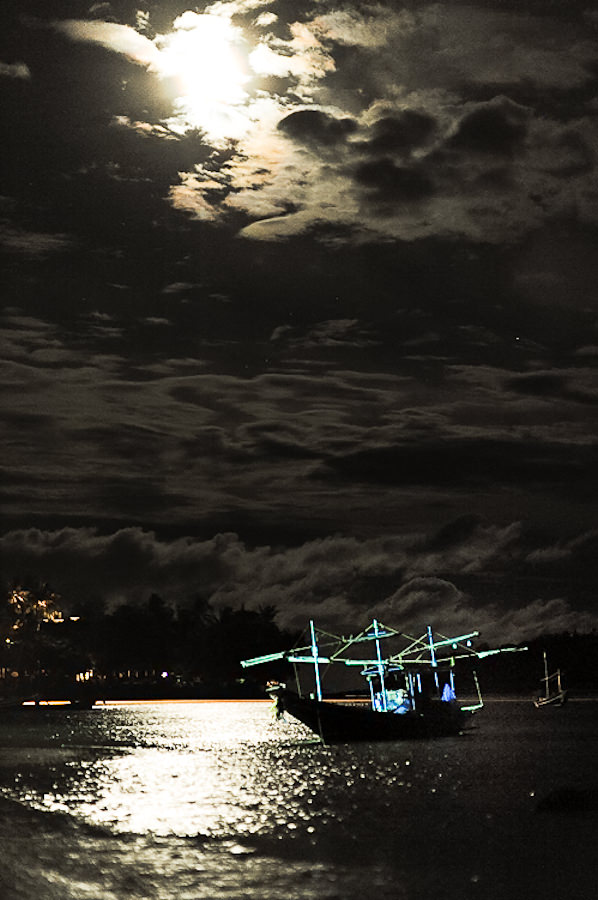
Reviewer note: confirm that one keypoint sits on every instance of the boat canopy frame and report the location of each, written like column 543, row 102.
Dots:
column 420, row 653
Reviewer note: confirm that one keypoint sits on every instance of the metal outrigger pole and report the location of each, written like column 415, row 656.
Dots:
column 314, row 650
column 380, row 667
column 433, row 656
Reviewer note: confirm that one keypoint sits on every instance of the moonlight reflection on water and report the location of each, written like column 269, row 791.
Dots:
column 182, row 769
column 220, row 800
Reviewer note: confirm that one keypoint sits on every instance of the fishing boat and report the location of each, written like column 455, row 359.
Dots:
column 410, row 688
column 554, row 693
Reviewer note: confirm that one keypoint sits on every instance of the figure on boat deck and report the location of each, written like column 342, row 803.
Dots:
column 448, row 693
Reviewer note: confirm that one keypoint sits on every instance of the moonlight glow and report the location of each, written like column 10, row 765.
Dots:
column 204, row 56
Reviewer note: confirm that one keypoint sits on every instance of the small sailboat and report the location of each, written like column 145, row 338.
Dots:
column 554, row 693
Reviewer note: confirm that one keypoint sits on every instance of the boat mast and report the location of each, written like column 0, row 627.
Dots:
column 380, row 666
column 546, row 685
column 314, row 650
column 433, row 656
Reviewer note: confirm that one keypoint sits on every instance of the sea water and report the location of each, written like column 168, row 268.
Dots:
column 203, row 801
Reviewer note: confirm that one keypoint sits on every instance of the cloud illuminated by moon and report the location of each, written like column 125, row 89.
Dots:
column 212, row 66
column 204, row 55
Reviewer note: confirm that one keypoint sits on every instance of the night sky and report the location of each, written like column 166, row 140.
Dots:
column 299, row 307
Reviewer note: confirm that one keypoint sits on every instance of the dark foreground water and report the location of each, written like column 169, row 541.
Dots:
column 189, row 801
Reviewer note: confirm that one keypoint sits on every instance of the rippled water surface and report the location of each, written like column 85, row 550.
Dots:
column 218, row 800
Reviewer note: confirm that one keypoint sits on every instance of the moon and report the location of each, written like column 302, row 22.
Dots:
column 205, row 55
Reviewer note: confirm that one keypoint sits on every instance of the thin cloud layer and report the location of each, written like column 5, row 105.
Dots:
column 121, row 39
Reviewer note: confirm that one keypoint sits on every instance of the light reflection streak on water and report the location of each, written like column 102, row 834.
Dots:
column 211, row 771
column 187, row 793
column 221, row 803
column 225, row 771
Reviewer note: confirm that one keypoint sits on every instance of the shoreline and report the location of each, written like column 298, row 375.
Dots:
column 141, row 701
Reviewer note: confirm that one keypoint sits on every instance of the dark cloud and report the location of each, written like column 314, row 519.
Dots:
column 498, row 128
column 573, row 156
column 456, row 532
column 401, row 133
column 553, row 385
column 544, row 384
column 388, row 182
column 469, row 463
column 314, row 126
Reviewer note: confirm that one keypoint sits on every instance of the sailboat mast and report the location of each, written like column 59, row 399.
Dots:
column 546, row 686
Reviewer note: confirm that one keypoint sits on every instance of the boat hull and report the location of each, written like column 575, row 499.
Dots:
column 336, row 722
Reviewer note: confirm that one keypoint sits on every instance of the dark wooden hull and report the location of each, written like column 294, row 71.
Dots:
column 337, row 722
